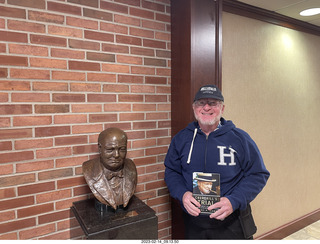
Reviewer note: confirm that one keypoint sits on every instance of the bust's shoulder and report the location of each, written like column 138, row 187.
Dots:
column 91, row 167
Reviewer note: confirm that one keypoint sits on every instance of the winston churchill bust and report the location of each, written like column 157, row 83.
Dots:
column 112, row 177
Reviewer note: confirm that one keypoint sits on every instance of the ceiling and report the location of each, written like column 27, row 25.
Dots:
column 290, row 8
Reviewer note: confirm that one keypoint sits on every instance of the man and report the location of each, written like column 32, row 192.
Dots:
column 204, row 184
column 112, row 178
column 214, row 145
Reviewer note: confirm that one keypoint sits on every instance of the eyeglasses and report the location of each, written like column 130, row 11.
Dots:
column 202, row 103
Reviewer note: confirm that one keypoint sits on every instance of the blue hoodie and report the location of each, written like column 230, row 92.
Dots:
column 228, row 151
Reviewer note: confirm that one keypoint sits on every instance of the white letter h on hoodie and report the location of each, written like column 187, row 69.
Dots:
column 223, row 155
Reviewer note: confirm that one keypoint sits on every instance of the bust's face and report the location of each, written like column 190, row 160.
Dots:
column 113, row 150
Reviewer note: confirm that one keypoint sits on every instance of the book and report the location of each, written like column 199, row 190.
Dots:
column 206, row 190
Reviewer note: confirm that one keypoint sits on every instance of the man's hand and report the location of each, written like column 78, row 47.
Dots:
column 191, row 204
column 225, row 209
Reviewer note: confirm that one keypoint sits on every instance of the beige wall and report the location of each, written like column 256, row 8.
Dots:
column 271, row 84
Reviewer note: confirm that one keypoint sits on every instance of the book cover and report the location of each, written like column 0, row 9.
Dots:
column 206, row 190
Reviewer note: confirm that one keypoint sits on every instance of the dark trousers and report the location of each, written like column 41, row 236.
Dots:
column 202, row 227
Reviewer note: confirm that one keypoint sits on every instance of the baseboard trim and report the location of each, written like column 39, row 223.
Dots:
column 291, row 227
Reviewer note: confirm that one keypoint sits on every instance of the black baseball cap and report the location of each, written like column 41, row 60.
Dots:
column 209, row 91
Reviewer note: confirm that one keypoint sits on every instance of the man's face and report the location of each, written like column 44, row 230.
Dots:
column 205, row 186
column 208, row 111
column 113, row 152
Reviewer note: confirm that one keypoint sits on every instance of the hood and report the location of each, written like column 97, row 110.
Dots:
column 224, row 127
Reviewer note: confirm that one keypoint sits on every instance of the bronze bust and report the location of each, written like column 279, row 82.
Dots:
column 112, row 177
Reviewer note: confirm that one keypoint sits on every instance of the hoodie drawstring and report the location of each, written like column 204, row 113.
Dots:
column 191, row 147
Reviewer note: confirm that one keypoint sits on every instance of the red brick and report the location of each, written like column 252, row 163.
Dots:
column 67, row 75
column 130, row 98
column 163, row 36
column 7, row 216
column 156, row 80
column 26, row 26
column 129, row 59
column 80, row 44
column 131, row 116
column 3, row 47
column 52, row 131
column 70, row 119
column 48, row 63
column 13, row 60
column 53, row 152
column 157, row 133
column 85, row 87
column 144, row 143
column 48, row 40
column 5, row 145
column 155, row 62
column 99, row 36
column 142, row 70
column 94, row 118
column 104, row 57
column 52, row 196
column 64, row 8
column 156, row 151
column 13, row 37
column 129, row 40
column 35, row 210
column 142, row 51
column 86, row 108
column 101, row 98
column 116, row 88
column 72, row 161
column 68, row 98
column 29, row 3
column 66, row 53
column 3, row 72
column 145, row 161
column 141, row 32
column 16, row 203
column 114, row 7
column 30, row 74
column 15, row 109
column 101, row 77
column 82, row 23
column 91, row 3
column 36, row 188
column 155, row 185
column 53, row 174
column 50, row 86
column 81, row 190
column 114, row 28
column 130, row 79
column 82, row 129
column 115, row 68
column 34, row 143
column 9, row 236
column 5, row 122
column 156, row 98
column 12, row 12
column 17, row 225
column 16, row 156
column 64, row 31
column 34, row 166
column 164, row 124
column 30, row 97
column 117, row 107
column 7, row 193
column 107, row 47
column 154, row 44
column 28, row 50
column 15, row 133
column 144, row 125
column 45, row 17
column 143, row 13
column 37, row 231
column 163, row 54
column 153, row 6
column 122, row 19
column 156, row 116
column 101, row 15
column 78, row 65
column 163, row 17
column 49, row 109
column 31, row 120
column 75, row 181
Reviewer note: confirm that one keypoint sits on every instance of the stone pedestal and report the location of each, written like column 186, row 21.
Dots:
column 135, row 222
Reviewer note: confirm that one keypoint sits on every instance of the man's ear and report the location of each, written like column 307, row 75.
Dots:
column 99, row 147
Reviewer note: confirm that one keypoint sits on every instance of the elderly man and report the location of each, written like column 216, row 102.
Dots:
column 214, row 145
column 112, row 178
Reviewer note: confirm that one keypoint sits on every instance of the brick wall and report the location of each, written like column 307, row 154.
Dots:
column 68, row 70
